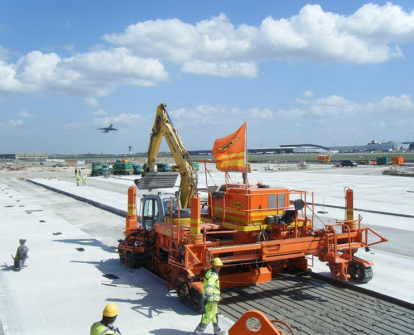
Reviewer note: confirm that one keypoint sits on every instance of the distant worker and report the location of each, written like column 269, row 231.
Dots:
column 77, row 179
column 84, row 180
column 76, row 171
column 105, row 326
column 211, row 295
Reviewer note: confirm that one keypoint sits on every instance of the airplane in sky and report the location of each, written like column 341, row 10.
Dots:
column 107, row 129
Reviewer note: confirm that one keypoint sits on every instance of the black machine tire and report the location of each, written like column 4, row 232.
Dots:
column 197, row 301
column 122, row 257
column 134, row 261
column 360, row 274
column 182, row 291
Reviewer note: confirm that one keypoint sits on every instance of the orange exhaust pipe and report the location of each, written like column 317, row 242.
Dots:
column 349, row 203
column 131, row 218
column 195, row 220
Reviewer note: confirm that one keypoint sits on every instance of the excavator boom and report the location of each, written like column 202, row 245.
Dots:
column 163, row 127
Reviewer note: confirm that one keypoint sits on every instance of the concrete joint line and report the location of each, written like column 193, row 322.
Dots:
column 107, row 208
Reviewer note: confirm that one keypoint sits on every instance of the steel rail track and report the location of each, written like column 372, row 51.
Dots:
column 317, row 306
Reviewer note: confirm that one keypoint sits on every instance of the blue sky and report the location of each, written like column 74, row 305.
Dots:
column 326, row 72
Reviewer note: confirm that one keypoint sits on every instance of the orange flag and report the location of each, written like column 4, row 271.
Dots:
column 229, row 151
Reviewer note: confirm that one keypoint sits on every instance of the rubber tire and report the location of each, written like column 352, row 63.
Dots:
column 198, row 300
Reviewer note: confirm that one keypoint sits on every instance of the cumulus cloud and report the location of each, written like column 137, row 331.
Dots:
column 15, row 123
column 221, row 69
column 95, row 73
column 218, row 115
column 74, row 126
column 409, row 123
column 4, row 53
column 303, row 101
column 121, row 118
column 292, row 113
column 217, row 47
column 91, row 102
column 70, row 48
column 334, row 105
column 308, row 94
column 100, row 112
column 24, row 114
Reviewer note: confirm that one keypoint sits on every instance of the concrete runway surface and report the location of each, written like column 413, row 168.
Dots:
column 97, row 231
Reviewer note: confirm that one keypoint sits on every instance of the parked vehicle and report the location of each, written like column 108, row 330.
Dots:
column 382, row 160
column 138, row 169
column 123, row 168
column 324, row 158
column 349, row 163
column 99, row 169
column 162, row 167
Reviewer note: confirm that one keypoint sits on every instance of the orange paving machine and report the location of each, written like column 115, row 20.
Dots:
column 256, row 231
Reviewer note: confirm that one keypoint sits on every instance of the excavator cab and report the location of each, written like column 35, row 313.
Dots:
column 150, row 212
column 157, row 208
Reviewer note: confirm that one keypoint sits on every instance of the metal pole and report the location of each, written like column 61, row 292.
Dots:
column 245, row 180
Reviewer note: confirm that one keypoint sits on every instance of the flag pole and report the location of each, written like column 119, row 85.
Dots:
column 245, row 181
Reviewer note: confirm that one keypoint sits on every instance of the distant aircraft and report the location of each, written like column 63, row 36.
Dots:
column 107, row 129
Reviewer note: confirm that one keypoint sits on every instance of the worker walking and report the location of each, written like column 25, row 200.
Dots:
column 105, row 326
column 84, row 180
column 77, row 179
column 211, row 295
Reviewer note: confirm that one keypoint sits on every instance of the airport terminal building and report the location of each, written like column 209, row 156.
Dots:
column 36, row 157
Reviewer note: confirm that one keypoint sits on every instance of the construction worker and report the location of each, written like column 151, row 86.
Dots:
column 211, row 295
column 84, row 180
column 77, row 179
column 76, row 171
column 105, row 326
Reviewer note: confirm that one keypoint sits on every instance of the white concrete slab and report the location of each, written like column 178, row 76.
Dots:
column 62, row 290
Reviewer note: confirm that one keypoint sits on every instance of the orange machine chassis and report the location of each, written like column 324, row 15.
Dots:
column 255, row 231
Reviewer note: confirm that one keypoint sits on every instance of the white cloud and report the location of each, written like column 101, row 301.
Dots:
column 4, row 53
column 70, row 48
column 24, row 114
column 367, row 36
column 308, row 94
column 74, row 126
column 292, row 113
column 15, row 123
column 91, row 102
column 218, row 115
column 334, row 105
column 221, row 69
column 129, row 119
column 100, row 112
column 302, row 101
column 95, row 73
column 379, row 124
column 404, row 122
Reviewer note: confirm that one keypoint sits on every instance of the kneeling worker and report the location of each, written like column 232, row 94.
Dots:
column 105, row 326
column 211, row 294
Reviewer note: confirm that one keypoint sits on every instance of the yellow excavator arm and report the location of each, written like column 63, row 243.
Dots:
column 163, row 127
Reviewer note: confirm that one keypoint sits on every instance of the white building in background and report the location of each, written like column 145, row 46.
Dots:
column 387, row 146
column 24, row 156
